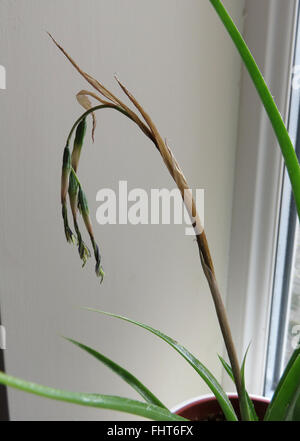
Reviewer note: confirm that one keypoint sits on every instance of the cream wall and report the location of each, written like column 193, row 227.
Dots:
column 183, row 68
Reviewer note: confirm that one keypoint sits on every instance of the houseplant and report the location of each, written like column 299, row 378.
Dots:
column 288, row 390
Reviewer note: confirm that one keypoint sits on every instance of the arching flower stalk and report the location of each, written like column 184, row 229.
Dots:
column 109, row 100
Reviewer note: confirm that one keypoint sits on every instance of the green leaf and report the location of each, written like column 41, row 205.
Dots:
column 250, row 405
column 296, row 410
column 285, row 404
column 247, row 404
column 82, row 202
column 120, row 404
column 266, row 98
column 226, row 367
column 123, row 373
column 286, row 371
column 279, row 387
column 204, row 373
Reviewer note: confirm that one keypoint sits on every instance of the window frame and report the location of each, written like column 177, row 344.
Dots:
column 286, row 250
column 269, row 30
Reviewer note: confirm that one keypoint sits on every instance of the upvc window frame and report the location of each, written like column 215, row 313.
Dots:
column 269, row 30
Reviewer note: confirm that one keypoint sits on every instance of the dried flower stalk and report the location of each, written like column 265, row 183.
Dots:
column 149, row 129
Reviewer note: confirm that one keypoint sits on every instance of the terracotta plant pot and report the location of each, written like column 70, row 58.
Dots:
column 207, row 408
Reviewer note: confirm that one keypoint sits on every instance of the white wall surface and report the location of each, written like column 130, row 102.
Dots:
column 177, row 58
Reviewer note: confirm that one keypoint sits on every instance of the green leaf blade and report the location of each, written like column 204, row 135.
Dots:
column 246, row 400
column 250, row 405
column 123, row 373
column 204, row 373
column 120, row 404
column 284, row 405
column 226, row 367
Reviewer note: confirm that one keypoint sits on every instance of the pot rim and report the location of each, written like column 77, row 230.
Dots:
column 209, row 397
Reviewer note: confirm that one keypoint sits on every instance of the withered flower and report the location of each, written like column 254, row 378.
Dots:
column 84, row 210
column 65, row 178
column 65, row 174
column 83, row 250
column 78, row 142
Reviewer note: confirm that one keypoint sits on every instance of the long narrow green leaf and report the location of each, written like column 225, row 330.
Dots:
column 285, row 402
column 123, row 373
column 121, row 404
column 246, row 400
column 228, row 369
column 204, row 373
column 294, row 355
column 280, row 130
column 295, row 415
